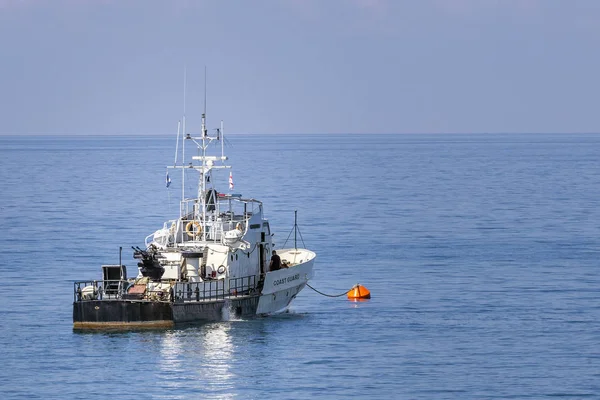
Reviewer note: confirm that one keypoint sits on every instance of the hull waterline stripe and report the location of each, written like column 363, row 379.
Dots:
column 123, row 325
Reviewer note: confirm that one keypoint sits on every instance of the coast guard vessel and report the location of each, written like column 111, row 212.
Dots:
column 209, row 264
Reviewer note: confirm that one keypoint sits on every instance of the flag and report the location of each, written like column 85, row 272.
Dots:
column 230, row 181
column 168, row 180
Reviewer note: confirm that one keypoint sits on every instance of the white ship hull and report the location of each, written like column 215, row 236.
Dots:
column 282, row 286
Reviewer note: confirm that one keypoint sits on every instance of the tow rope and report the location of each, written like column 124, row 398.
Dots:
column 357, row 292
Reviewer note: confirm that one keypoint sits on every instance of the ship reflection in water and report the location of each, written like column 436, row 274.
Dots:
column 199, row 360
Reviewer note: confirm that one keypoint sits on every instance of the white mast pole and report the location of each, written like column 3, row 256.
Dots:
column 202, row 193
column 177, row 142
column 222, row 142
column 204, row 130
column 181, row 211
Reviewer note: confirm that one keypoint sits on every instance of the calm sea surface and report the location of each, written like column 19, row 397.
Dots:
column 482, row 253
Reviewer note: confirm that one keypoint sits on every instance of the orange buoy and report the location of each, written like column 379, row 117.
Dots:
column 359, row 292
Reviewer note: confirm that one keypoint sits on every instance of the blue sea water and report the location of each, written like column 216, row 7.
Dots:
column 481, row 253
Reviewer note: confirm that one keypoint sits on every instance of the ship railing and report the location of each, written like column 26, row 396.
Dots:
column 180, row 291
column 120, row 289
column 214, row 290
column 99, row 290
column 164, row 236
column 215, row 228
column 242, row 286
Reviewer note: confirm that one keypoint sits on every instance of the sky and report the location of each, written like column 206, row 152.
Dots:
column 110, row 67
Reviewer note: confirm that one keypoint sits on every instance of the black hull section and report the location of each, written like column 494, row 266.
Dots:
column 216, row 310
column 93, row 314
column 126, row 314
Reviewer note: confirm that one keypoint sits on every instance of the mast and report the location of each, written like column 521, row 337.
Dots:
column 183, row 135
column 202, row 187
column 197, row 206
column 177, row 142
column 222, row 138
column 204, row 114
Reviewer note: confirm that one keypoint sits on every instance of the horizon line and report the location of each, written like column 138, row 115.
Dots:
column 297, row 133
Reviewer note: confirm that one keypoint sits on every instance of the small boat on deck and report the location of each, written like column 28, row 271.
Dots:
column 209, row 264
